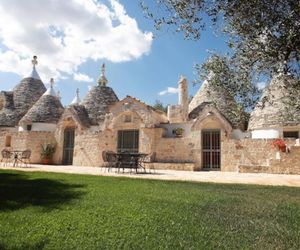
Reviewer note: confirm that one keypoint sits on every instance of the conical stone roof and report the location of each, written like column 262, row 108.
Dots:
column 225, row 103
column 21, row 99
column 8, row 115
column 279, row 104
column 27, row 92
column 98, row 99
column 48, row 109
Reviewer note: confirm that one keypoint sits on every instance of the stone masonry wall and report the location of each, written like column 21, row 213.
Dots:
column 174, row 150
column 288, row 164
column 27, row 140
column 87, row 151
column 175, row 114
column 246, row 152
column 253, row 156
column 90, row 145
column 246, row 155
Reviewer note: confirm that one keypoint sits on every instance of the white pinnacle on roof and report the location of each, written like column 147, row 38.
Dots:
column 50, row 91
column 102, row 81
column 76, row 99
column 58, row 95
column 34, row 74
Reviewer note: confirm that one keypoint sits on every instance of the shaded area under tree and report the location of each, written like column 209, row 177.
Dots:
column 18, row 191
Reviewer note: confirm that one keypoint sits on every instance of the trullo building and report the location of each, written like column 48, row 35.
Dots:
column 204, row 134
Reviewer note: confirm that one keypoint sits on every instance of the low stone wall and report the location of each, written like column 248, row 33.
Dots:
column 171, row 166
column 246, row 152
column 258, row 156
column 176, row 150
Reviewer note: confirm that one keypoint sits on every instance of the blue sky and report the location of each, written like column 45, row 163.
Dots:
column 152, row 70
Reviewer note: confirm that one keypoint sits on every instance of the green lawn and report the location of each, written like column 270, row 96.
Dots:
column 60, row 211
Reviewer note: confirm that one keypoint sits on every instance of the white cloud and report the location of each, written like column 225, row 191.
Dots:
column 82, row 77
column 65, row 34
column 169, row 91
column 261, row 85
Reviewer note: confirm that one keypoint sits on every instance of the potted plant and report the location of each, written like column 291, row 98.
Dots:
column 178, row 132
column 47, row 152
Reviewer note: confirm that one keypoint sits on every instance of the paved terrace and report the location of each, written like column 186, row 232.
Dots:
column 172, row 175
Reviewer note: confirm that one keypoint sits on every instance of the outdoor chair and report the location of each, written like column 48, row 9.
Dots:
column 110, row 159
column 25, row 157
column 148, row 159
column 6, row 156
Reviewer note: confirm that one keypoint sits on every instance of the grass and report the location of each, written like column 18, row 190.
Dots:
column 60, row 211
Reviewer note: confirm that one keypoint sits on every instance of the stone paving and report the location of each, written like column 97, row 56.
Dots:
column 202, row 176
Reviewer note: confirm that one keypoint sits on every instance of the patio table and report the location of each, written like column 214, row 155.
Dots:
column 130, row 160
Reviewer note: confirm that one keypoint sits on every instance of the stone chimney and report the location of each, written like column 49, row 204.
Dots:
column 179, row 113
column 183, row 99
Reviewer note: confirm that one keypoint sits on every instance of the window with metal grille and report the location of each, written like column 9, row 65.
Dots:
column 128, row 141
column 211, row 149
column 291, row 134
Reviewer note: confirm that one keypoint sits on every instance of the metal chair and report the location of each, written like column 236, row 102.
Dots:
column 110, row 159
column 141, row 161
column 6, row 156
column 149, row 159
column 25, row 157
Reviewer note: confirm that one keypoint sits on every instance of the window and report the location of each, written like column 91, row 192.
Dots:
column 128, row 141
column 8, row 141
column 28, row 127
column 291, row 134
column 127, row 118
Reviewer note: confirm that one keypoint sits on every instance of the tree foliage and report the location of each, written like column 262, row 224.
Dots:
column 159, row 105
column 224, row 75
column 264, row 33
column 184, row 15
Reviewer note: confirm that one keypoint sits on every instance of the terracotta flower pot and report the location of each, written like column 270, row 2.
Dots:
column 46, row 161
column 283, row 149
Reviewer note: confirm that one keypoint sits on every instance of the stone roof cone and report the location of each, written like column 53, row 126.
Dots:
column 207, row 94
column 279, row 104
column 98, row 99
column 48, row 109
column 22, row 98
